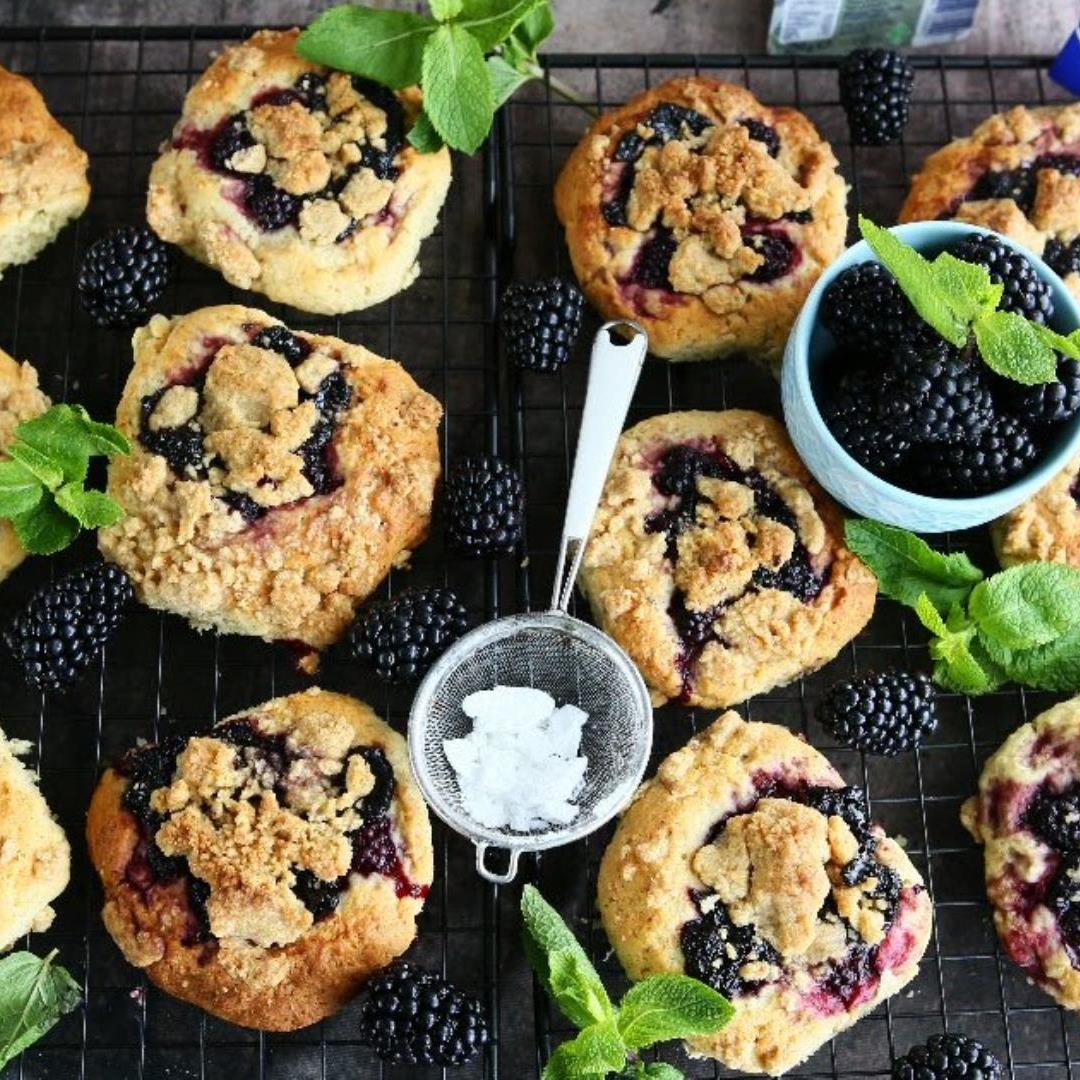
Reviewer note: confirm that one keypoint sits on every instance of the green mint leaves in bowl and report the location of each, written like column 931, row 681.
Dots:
column 610, row 1038
column 932, row 379
column 468, row 57
column 1019, row 625
column 43, row 490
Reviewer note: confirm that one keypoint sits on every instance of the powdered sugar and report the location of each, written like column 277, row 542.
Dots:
column 519, row 766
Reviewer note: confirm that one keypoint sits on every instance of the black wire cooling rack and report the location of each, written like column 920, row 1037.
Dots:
column 120, row 90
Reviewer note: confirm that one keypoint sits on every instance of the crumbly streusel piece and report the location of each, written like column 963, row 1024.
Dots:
column 297, row 181
column 276, row 476
column 43, row 182
column 1046, row 528
column 704, row 215
column 717, row 562
column 265, row 869
column 746, row 863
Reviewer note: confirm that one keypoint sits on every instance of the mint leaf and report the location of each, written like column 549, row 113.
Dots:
column 490, row 22
column 458, row 97
column 505, row 79
column 1028, row 605
column 424, row 137
column 537, row 26
column 60, row 436
column 34, row 994
column 664, row 1007
column 661, row 1070
column 91, row 509
column 1070, row 345
column 906, row 566
column 387, row 46
column 20, row 489
column 967, row 286
column 929, row 615
column 1009, row 345
column 917, row 281
column 1055, row 666
column 577, row 989
column 102, row 439
column 445, row 9
column 50, row 474
column 46, row 529
column 596, row 1051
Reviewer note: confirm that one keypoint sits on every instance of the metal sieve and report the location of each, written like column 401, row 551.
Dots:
column 552, row 651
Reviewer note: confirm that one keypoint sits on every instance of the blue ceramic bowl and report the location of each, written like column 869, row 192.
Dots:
column 843, row 477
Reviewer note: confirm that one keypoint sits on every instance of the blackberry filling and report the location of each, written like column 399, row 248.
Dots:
column 284, row 342
column 231, row 139
column 650, row 269
column 780, row 255
column 272, row 207
column 718, row 952
column 181, row 447
column 763, row 133
column 1021, row 184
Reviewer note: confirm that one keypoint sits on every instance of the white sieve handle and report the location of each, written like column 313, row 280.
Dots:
column 614, row 369
column 494, row 876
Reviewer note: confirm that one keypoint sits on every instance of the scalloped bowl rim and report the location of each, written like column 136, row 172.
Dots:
column 797, row 356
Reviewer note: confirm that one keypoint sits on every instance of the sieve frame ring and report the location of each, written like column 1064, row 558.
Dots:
column 494, row 631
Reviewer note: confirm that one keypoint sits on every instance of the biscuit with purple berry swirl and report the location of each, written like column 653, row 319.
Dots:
column 703, row 215
column 717, row 562
column 297, row 181
column 746, row 863
column 1027, row 818
column 275, row 478
column 267, row 867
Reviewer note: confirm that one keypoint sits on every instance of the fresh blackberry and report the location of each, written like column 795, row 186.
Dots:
column 181, row 447
column 484, row 507
column 1015, row 184
column 763, row 133
column 1063, row 259
column 1055, row 818
column 653, row 260
column 1025, row 292
column 853, row 414
column 940, row 397
column 948, row 1057
column 777, row 251
column 541, row 321
column 283, row 341
column 998, row 457
column 668, row 121
column 271, row 206
column 67, row 623
column 122, row 274
column 875, row 91
column 231, row 139
column 319, row 897
column 715, row 950
column 401, row 638
column 415, row 1017
column 865, row 306
column 1044, row 404
column 881, row 713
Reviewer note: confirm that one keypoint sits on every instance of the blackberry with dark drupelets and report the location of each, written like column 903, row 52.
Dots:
column 948, row 1057
column 1025, row 292
column 865, row 306
column 761, row 132
column 67, row 623
column 485, row 507
column 540, row 322
column 416, row 1018
column 881, row 713
column 1044, row 405
column 1001, row 455
column 875, row 91
column 122, row 275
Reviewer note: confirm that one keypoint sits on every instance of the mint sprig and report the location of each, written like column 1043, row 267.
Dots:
column 657, row 1009
column 1018, row 625
column 468, row 56
column 960, row 301
column 34, row 994
column 43, row 489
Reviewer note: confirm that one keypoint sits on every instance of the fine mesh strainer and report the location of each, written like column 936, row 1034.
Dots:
column 573, row 661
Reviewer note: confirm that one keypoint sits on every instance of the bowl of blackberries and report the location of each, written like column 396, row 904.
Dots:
column 930, row 380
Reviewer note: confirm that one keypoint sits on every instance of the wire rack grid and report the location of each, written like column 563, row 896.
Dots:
column 119, row 90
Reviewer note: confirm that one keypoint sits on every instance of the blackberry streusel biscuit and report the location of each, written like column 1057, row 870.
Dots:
column 275, row 478
column 1027, row 817
column 1018, row 173
column 704, row 215
column 43, row 182
column 1046, row 528
column 298, row 181
column 34, row 854
column 20, row 399
column 746, row 863
column 717, row 562
column 265, row 869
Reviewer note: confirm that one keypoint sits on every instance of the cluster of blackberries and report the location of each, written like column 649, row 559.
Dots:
column 919, row 412
column 881, row 713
